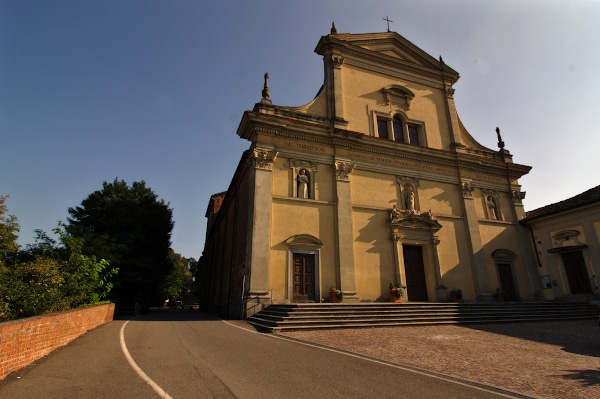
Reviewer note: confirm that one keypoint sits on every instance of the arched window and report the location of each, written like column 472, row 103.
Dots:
column 398, row 131
column 398, row 128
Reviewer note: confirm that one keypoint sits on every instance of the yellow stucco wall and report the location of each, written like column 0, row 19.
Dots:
column 440, row 198
column 293, row 217
column 373, row 252
column 373, row 189
column 362, row 94
column 455, row 257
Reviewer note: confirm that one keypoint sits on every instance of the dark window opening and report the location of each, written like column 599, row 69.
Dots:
column 413, row 135
column 398, row 131
column 382, row 128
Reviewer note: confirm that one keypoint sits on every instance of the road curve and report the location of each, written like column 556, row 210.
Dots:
column 189, row 354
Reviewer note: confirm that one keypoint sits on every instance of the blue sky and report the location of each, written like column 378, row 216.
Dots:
column 154, row 90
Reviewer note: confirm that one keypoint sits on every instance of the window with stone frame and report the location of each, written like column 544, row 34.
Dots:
column 382, row 128
column 413, row 134
column 399, row 129
column 397, row 124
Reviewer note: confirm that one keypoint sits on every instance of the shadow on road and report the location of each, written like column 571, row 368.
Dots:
column 172, row 314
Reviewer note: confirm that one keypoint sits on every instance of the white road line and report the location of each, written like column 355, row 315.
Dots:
column 161, row 392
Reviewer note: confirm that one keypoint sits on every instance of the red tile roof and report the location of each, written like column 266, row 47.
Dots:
column 586, row 198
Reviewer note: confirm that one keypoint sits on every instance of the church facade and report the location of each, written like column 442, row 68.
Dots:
column 375, row 181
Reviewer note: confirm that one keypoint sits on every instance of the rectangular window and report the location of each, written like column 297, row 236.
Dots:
column 413, row 134
column 382, row 128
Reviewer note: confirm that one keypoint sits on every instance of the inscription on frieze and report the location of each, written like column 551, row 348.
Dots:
column 304, row 146
column 403, row 163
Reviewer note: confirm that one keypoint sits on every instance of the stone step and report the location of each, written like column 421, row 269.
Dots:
column 315, row 316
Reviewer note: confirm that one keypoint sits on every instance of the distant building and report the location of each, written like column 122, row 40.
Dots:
column 376, row 180
column 566, row 236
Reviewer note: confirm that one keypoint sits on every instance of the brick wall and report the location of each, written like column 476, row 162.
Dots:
column 24, row 341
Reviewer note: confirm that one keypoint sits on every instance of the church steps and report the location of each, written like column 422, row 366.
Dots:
column 317, row 316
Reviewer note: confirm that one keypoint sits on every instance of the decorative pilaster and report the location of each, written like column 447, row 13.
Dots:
column 262, row 158
column 395, row 237
column 467, row 187
column 259, row 221
column 337, row 61
column 474, row 238
column 343, row 170
column 435, row 241
column 335, row 98
column 453, row 123
column 345, row 239
column 518, row 196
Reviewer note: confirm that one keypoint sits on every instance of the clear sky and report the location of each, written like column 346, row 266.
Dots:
column 154, row 90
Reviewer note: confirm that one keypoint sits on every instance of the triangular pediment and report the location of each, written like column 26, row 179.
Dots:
column 389, row 45
column 397, row 49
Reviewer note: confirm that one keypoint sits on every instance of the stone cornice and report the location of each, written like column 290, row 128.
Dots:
column 378, row 151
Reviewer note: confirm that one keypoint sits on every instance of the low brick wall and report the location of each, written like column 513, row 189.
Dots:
column 24, row 341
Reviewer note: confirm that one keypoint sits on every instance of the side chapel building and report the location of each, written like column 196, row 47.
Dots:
column 566, row 236
column 376, row 180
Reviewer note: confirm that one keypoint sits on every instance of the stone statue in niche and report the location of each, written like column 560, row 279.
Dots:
column 409, row 199
column 303, row 181
column 491, row 205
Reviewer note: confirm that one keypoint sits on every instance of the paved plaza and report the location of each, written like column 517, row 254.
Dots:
column 543, row 359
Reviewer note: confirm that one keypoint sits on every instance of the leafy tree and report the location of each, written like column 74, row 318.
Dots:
column 49, row 277
column 87, row 280
column 9, row 227
column 131, row 228
column 32, row 288
column 179, row 279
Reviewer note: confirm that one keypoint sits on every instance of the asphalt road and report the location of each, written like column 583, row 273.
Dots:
column 188, row 354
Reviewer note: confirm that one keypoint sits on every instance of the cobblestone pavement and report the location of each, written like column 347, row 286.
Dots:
column 542, row 359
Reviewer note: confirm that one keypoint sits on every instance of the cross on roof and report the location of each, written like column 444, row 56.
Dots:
column 388, row 22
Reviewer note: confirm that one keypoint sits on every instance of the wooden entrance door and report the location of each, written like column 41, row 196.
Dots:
column 304, row 277
column 507, row 281
column 579, row 281
column 415, row 273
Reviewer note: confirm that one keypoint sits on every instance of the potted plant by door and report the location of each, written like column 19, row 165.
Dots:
column 335, row 295
column 500, row 295
column 455, row 295
column 396, row 293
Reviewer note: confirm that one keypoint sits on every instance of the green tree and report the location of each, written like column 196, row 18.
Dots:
column 178, row 280
column 87, row 280
column 32, row 288
column 47, row 276
column 131, row 228
column 9, row 227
